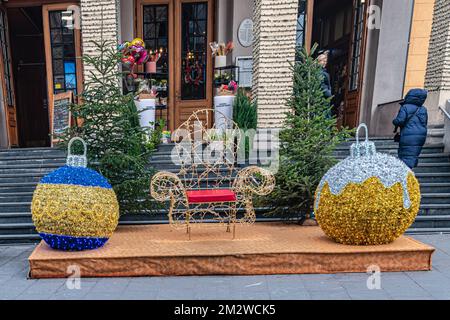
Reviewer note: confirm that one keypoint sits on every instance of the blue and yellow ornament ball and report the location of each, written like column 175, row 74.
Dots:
column 75, row 208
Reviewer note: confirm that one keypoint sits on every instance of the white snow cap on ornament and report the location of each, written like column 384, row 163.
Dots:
column 363, row 163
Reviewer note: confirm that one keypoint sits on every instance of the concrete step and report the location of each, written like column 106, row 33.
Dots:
column 20, row 178
column 32, row 155
column 17, row 228
column 15, row 206
column 15, row 217
column 435, row 198
column 434, row 209
column 38, row 170
column 15, row 197
column 435, row 187
column 13, row 239
column 29, row 163
column 433, row 167
column 412, row 231
column 423, row 158
column 435, row 222
column 17, row 187
column 434, row 177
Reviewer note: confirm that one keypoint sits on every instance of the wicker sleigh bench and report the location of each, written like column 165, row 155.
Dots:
column 209, row 186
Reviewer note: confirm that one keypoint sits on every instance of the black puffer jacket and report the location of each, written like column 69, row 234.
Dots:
column 326, row 83
column 413, row 132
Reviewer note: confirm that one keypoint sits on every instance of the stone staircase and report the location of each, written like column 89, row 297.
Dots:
column 433, row 173
column 21, row 169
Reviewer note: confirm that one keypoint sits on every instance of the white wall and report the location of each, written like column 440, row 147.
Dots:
column 392, row 54
column 242, row 9
column 126, row 20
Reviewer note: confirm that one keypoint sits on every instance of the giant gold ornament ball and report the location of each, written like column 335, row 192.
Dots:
column 368, row 213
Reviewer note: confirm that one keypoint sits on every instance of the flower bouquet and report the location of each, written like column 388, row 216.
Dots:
column 154, row 56
column 220, row 52
column 146, row 90
column 229, row 89
column 165, row 136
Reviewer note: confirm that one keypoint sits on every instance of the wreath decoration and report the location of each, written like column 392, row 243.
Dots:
column 188, row 73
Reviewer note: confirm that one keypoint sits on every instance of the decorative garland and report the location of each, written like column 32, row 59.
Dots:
column 188, row 73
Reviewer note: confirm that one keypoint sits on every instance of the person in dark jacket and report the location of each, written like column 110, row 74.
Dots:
column 412, row 120
column 322, row 59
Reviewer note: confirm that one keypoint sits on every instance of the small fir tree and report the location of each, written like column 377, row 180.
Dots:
column 245, row 116
column 308, row 140
column 109, row 122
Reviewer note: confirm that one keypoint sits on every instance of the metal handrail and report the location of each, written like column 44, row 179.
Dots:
column 390, row 102
column 445, row 112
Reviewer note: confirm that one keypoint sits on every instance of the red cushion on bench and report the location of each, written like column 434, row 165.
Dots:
column 205, row 196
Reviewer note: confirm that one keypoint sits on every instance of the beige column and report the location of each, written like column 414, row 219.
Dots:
column 437, row 79
column 275, row 24
column 99, row 20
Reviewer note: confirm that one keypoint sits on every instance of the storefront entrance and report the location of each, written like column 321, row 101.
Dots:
column 339, row 27
column 182, row 31
column 39, row 50
column 28, row 66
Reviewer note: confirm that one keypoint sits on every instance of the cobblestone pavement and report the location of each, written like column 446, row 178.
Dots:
column 433, row 284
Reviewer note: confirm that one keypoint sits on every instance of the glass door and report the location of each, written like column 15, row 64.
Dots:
column 356, row 63
column 182, row 31
column 62, row 51
column 193, row 60
column 155, row 26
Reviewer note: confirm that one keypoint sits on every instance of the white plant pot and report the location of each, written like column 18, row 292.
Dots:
column 147, row 116
column 220, row 61
column 223, row 104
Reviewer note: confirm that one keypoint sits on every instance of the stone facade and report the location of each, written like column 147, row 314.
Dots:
column 419, row 44
column 99, row 20
column 437, row 79
column 438, row 69
column 273, row 51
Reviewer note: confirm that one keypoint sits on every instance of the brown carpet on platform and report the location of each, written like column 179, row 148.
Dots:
column 264, row 248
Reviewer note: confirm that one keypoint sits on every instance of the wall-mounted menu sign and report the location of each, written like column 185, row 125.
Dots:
column 245, row 65
column 61, row 114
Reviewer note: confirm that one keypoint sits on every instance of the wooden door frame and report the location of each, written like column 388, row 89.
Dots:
column 29, row 3
column 46, row 8
column 362, row 60
column 209, row 63
column 309, row 24
column 174, row 39
column 138, row 24
column 6, row 106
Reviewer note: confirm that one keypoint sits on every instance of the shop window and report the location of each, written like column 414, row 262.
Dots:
column 339, row 24
column 194, row 20
column 156, row 35
column 301, row 23
column 325, row 32
column 6, row 58
column 357, row 42
column 62, row 40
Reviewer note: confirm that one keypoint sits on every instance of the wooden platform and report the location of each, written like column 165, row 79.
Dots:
column 264, row 248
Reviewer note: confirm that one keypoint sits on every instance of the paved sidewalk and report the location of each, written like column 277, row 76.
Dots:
column 434, row 284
